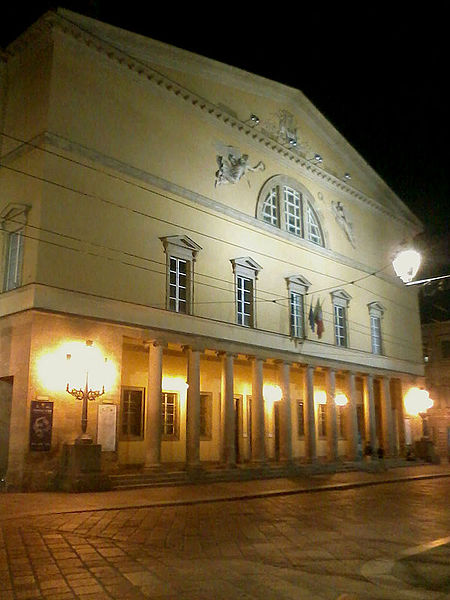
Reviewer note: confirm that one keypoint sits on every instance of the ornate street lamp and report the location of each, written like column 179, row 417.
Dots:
column 85, row 395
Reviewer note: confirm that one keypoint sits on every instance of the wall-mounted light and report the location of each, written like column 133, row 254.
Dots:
column 416, row 401
column 320, row 397
column 340, row 399
column 174, row 384
column 272, row 393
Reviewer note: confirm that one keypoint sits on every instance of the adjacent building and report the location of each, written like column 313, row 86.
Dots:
column 210, row 234
column 436, row 340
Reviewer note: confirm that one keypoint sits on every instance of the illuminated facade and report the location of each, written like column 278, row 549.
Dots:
column 219, row 242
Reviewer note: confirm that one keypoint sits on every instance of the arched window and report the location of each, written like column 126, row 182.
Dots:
column 287, row 205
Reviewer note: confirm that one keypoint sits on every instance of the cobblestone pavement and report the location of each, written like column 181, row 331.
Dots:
column 383, row 542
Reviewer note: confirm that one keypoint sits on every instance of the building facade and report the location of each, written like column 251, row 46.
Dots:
column 436, row 341
column 219, row 242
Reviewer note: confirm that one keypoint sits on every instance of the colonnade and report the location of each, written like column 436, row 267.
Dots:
column 258, row 449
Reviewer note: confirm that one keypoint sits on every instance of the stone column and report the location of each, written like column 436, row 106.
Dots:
column 193, row 409
column 352, row 418
column 310, row 417
column 285, row 414
column 369, row 412
column 387, row 418
column 228, row 421
column 258, row 430
column 332, row 435
column 153, row 422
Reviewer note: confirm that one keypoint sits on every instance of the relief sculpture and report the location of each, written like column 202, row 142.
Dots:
column 343, row 221
column 234, row 166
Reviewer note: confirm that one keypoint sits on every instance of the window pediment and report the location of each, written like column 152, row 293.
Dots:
column 14, row 217
column 181, row 245
column 298, row 283
column 340, row 298
column 246, row 266
column 376, row 309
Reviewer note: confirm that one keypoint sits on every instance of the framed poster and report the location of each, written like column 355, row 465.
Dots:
column 106, row 427
column 41, row 424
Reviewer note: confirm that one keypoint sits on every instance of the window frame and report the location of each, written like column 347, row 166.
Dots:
column 245, row 269
column 297, row 286
column 340, row 301
column 13, row 264
column 273, row 208
column 132, row 437
column 180, row 248
column 376, row 312
column 175, row 436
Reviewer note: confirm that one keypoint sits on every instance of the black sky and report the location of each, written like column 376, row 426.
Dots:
column 377, row 76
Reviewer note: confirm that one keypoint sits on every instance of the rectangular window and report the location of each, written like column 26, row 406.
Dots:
column 205, row 416
column 178, row 284
column 292, row 212
column 13, row 266
column 297, row 315
column 322, row 420
column 244, row 300
column 375, row 330
column 132, row 413
column 340, row 326
column 300, row 418
column 170, row 416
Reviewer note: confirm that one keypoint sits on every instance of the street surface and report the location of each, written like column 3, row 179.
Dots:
column 389, row 541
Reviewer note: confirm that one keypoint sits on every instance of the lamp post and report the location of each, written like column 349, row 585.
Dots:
column 85, row 395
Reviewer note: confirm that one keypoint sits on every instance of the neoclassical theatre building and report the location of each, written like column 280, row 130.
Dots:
column 198, row 251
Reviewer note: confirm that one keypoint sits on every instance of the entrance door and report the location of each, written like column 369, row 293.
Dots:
column 276, row 423
column 448, row 443
column 6, row 386
column 237, row 427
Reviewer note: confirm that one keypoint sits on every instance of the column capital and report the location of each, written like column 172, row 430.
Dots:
column 155, row 343
column 224, row 353
column 281, row 361
column 192, row 347
column 254, row 357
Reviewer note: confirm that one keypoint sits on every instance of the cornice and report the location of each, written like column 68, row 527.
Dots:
column 139, row 68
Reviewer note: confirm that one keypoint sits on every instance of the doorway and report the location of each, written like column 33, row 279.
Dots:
column 276, row 424
column 6, row 387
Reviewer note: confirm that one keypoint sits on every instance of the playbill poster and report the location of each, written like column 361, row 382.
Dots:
column 41, row 422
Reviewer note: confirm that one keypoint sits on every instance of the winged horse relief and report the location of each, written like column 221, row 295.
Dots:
column 233, row 167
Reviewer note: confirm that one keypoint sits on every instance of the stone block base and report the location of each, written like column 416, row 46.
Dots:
column 81, row 469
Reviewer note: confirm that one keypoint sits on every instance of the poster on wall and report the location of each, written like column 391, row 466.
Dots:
column 41, row 423
column 106, row 427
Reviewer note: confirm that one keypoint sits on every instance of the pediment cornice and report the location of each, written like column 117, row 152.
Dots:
column 138, row 66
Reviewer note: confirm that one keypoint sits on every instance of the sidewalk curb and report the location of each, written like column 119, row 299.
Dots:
column 237, row 496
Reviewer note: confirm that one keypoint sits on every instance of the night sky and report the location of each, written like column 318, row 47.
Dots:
column 377, row 76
